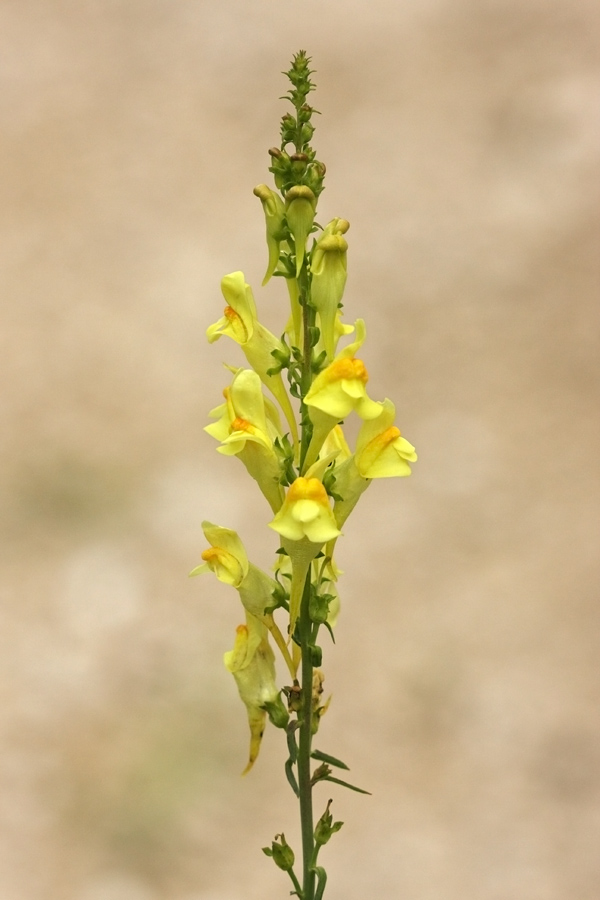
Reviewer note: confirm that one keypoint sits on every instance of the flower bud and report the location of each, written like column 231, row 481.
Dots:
column 277, row 712
column 300, row 203
column 329, row 272
column 280, row 166
column 275, row 220
column 281, row 853
column 299, row 163
column 325, row 827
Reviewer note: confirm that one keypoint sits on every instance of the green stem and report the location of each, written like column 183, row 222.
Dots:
column 295, row 882
column 304, row 749
column 308, row 316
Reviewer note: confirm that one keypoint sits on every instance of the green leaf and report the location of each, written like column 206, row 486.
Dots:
column 289, row 774
column 351, row 787
column 291, row 740
column 326, row 758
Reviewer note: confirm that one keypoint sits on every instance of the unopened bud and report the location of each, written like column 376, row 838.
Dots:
column 282, row 853
column 275, row 220
column 300, row 213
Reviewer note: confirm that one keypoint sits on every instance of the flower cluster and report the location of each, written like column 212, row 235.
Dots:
column 290, row 436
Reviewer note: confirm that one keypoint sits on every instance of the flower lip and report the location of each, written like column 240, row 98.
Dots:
column 237, row 324
column 224, row 564
column 346, row 370
column 239, row 424
column 306, row 513
column 308, row 489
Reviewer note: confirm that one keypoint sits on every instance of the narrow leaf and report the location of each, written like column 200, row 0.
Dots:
column 325, row 757
column 291, row 741
column 351, row 787
column 289, row 771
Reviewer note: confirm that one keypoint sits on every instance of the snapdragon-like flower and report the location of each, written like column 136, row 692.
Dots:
column 306, row 513
column 240, row 322
column 247, row 423
column 329, row 272
column 337, row 391
column 305, row 522
column 381, row 452
column 227, row 558
column 252, row 664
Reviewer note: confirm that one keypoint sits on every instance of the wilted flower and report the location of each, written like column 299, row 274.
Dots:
column 252, row 664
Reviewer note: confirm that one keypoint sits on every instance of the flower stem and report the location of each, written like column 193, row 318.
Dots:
column 304, row 748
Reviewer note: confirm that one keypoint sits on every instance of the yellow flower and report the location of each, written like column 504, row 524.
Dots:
column 247, row 423
column 341, row 388
column 240, row 322
column 305, row 522
column 335, row 443
column 337, row 391
column 306, row 513
column 252, row 664
column 381, row 451
column 226, row 556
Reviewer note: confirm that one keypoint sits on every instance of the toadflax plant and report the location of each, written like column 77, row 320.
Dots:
column 291, row 441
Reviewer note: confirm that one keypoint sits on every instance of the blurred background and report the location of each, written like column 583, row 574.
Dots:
column 462, row 141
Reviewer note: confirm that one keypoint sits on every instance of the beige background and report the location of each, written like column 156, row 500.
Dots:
column 462, row 142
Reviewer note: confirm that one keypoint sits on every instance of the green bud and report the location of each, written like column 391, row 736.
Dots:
column 288, row 129
column 304, row 113
column 300, row 205
column 325, row 827
column 315, row 176
column 282, row 853
column 306, row 132
column 280, row 167
column 278, row 714
column 299, row 163
column 318, row 609
column 316, row 655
